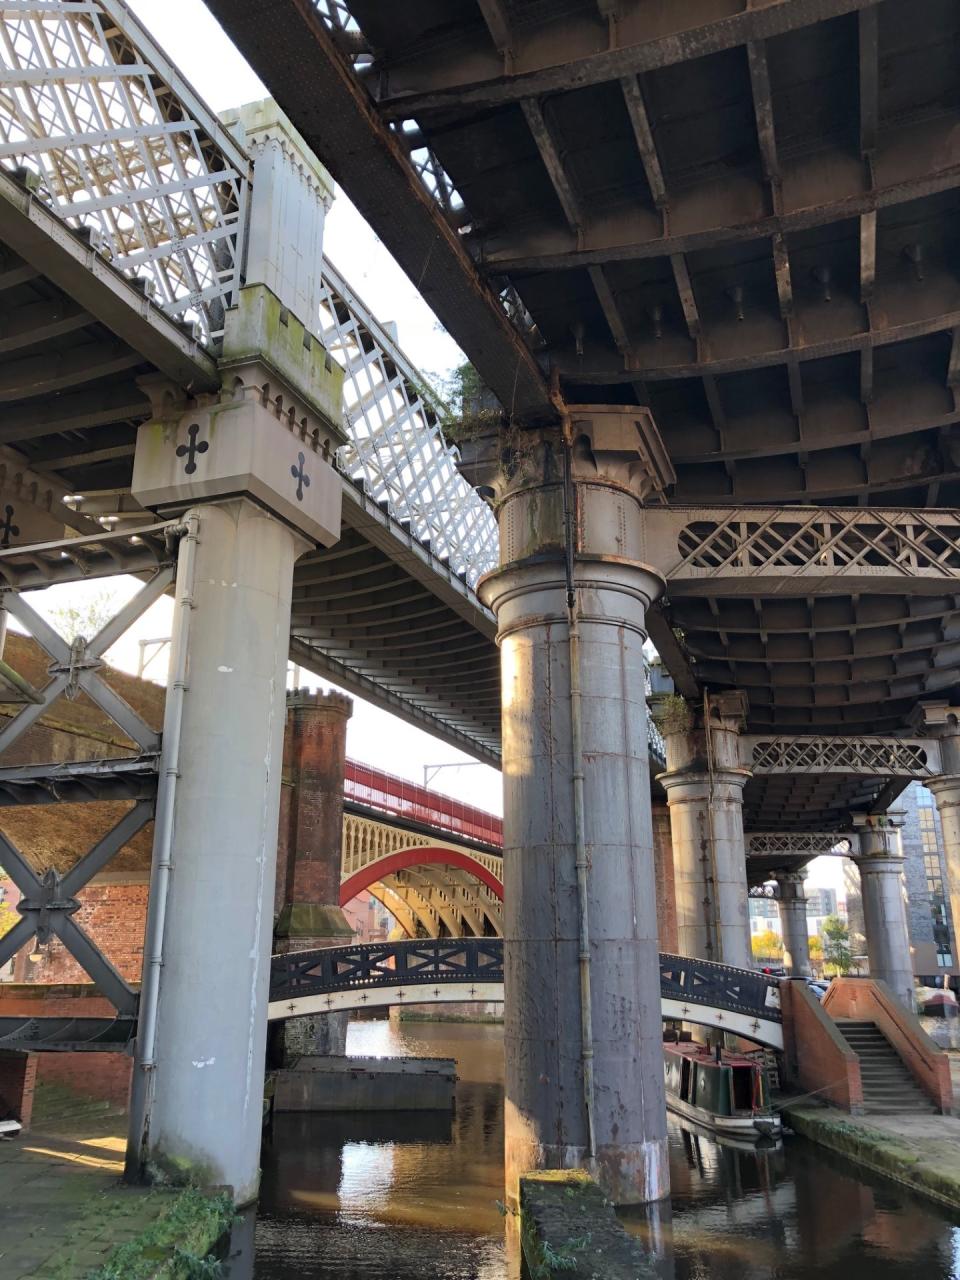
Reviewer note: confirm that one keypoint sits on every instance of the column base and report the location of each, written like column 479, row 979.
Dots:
column 301, row 926
column 306, row 926
column 633, row 1173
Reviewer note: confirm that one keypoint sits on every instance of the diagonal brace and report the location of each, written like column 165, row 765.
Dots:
column 75, row 666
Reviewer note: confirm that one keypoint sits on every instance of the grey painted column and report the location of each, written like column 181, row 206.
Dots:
column 792, row 905
column 704, row 783
column 944, row 721
column 880, row 863
column 548, row 1103
column 208, row 1083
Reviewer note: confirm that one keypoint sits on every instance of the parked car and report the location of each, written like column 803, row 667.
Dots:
column 818, row 986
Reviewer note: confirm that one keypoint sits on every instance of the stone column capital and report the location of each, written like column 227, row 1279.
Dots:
column 703, row 738
column 879, row 837
column 937, row 718
column 792, row 885
column 611, row 445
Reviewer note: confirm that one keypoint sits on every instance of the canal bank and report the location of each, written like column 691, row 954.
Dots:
column 921, row 1152
column 65, row 1214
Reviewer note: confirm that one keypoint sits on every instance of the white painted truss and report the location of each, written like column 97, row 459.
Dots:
column 108, row 134
column 397, row 444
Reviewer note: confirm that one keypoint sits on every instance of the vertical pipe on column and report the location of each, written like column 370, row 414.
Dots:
column 162, row 845
column 576, row 752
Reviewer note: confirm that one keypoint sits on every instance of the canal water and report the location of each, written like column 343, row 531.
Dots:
column 414, row 1197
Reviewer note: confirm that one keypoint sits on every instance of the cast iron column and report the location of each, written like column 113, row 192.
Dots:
column 792, row 905
column 311, row 835
column 704, row 784
column 582, row 993
column 880, row 863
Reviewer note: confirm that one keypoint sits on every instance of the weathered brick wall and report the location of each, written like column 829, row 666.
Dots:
column 114, row 915
column 103, row 1076
column 666, row 885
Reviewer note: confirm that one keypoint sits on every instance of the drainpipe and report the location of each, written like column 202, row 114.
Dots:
column 146, row 1047
column 576, row 746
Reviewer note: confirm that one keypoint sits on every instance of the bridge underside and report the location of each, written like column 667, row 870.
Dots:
column 380, row 613
column 741, row 217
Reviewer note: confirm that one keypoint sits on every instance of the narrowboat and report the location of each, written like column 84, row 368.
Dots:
column 726, row 1094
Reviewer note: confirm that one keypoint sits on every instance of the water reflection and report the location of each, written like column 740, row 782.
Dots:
column 406, row 1195
column 413, row 1196
column 793, row 1212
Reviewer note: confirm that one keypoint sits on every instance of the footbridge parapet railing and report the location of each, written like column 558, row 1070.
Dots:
column 739, row 1000
column 419, row 971
column 803, row 550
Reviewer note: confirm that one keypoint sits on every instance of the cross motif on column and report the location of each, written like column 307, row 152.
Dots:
column 301, row 477
column 8, row 529
column 192, row 448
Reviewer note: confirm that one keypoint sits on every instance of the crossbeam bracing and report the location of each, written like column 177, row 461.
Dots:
column 48, row 897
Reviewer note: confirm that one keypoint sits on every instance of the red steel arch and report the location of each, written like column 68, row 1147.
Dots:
column 405, row 858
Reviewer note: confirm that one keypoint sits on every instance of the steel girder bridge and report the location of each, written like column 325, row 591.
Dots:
column 615, row 255
column 777, row 300
column 738, row 216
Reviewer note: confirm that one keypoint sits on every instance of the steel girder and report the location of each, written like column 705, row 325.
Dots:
column 49, row 902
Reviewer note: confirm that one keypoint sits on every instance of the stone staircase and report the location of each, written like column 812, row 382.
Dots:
column 888, row 1087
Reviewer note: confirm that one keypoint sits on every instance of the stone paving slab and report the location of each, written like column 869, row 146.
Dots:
column 62, row 1206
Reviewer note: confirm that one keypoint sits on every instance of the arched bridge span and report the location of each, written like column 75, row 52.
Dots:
column 432, row 883
column 437, row 971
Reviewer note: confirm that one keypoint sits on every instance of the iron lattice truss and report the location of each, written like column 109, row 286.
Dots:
column 908, row 543
column 397, row 445
column 881, row 757
column 118, row 145
column 105, row 131
column 808, row 843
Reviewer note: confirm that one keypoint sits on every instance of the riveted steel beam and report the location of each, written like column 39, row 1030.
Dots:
column 576, row 68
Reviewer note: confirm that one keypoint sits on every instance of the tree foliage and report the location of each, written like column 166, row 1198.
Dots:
column 767, row 945
column 8, row 917
column 837, row 953
column 85, row 618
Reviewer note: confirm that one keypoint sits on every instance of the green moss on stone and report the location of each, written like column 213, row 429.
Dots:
column 312, row 920
column 178, row 1245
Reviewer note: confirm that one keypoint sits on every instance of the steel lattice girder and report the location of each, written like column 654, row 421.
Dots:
column 397, row 445
column 852, row 756
column 121, row 146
